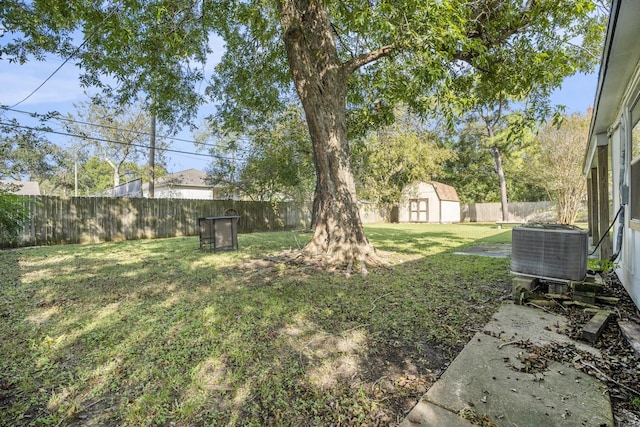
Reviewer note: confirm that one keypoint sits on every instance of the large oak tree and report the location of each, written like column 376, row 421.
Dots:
column 351, row 61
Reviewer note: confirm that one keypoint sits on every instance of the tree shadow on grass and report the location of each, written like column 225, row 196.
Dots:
column 157, row 332
column 423, row 239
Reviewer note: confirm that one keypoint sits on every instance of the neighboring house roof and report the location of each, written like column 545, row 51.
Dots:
column 192, row 178
column 186, row 178
column 445, row 192
column 27, row 188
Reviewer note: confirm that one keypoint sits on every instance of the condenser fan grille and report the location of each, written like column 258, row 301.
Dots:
column 551, row 251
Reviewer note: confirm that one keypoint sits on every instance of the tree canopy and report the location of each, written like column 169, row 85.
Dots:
column 436, row 56
column 26, row 153
column 270, row 161
column 116, row 134
column 348, row 62
column 395, row 155
column 154, row 50
column 560, row 164
column 473, row 170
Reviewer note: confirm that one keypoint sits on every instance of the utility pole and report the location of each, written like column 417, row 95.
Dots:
column 75, row 170
column 152, row 157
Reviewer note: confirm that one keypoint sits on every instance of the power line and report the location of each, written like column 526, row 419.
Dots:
column 66, row 119
column 76, row 50
column 92, row 138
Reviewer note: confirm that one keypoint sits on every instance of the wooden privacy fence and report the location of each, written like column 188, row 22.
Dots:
column 54, row 220
column 518, row 211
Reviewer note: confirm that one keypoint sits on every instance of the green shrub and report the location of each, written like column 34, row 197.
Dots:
column 13, row 214
column 601, row 265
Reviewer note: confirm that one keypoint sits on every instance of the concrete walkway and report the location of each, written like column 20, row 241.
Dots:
column 482, row 383
column 496, row 250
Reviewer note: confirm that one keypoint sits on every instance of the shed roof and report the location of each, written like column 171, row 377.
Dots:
column 445, row 192
column 27, row 188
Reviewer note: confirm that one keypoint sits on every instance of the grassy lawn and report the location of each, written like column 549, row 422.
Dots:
column 157, row 332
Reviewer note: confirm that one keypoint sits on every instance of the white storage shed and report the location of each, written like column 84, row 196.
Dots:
column 429, row 202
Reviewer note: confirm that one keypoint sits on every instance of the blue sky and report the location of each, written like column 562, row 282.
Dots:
column 62, row 91
column 577, row 93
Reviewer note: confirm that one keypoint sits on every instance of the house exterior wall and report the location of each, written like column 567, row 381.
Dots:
column 629, row 270
column 25, row 188
column 628, row 261
column 611, row 143
column 183, row 193
column 626, row 244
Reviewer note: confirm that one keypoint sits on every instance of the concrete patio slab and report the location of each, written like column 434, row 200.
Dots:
column 428, row 414
column 484, row 379
column 516, row 322
column 498, row 250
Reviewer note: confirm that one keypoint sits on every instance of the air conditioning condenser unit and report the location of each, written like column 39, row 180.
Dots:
column 549, row 251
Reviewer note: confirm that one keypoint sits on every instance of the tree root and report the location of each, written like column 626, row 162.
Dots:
column 321, row 263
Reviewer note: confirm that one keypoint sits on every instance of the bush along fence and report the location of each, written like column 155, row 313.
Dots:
column 58, row 220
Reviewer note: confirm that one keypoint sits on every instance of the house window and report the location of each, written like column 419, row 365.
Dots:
column 419, row 210
column 634, row 186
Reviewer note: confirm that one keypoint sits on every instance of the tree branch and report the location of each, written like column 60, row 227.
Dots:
column 477, row 32
column 366, row 58
column 344, row 45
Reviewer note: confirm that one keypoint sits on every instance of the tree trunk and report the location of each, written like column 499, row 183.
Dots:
column 321, row 82
column 338, row 229
column 116, row 172
column 495, row 151
column 490, row 120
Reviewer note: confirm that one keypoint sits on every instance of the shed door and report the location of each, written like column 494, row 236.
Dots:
column 419, row 210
